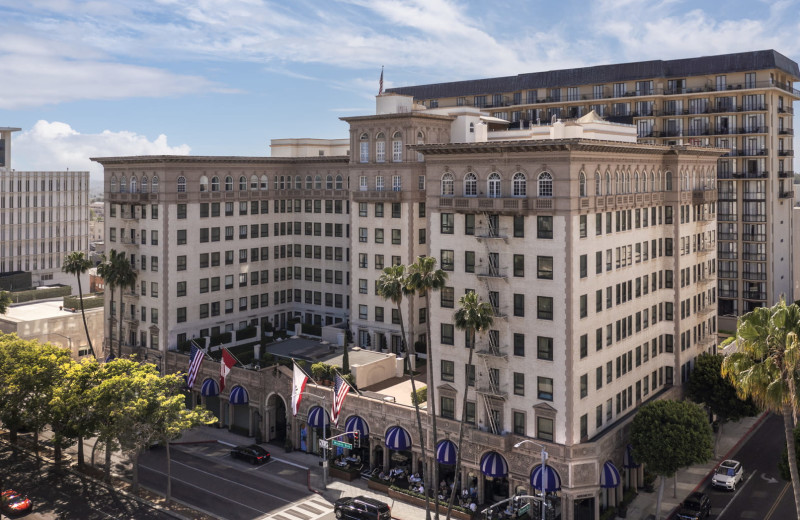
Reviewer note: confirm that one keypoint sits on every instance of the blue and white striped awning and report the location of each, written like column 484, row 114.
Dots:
column 397, row 439
column 354, row 423
column 627, row 458
column 239, row 395
column 547, row 479
column 210, row 388
column 316, row 417
column 609, row 476
column 446, row 452
column 494, row 465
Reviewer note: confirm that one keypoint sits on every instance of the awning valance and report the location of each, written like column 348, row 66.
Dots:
column 355, row 423
column 446, row 452
column 397, row 438
column 239, row 395
column 316, row 417
column 494, row 465
column 547, row 479
column 609, row 475
column 210, row 388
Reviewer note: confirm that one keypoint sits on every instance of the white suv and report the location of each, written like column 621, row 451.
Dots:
column 728, row 474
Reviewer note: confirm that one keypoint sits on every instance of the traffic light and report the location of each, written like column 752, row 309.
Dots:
column 356, row 440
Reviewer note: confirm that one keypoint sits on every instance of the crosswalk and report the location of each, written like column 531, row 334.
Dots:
column 308, row 509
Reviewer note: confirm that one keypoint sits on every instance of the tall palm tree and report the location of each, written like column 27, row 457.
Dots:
column 392, row 286
column 474, row 317
column 764, row 366
column 126, row 279
column 76, row 263
column 423, row 279
column 107, row 271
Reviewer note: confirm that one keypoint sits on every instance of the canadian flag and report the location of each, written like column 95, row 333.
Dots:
column 225, row 367
column 299, row 380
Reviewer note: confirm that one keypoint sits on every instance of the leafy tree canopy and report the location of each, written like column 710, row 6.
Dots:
column 706, row 385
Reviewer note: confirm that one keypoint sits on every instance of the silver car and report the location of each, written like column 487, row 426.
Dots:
column 728, row 474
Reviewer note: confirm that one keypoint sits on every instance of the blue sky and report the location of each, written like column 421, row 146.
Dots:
column 223, row 77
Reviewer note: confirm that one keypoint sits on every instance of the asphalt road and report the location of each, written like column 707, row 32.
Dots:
column 206, row 477
column 762, row 495
column 66, row 495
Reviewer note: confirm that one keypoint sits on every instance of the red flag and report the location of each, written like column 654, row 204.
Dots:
column 299, row 380
column 225, row 367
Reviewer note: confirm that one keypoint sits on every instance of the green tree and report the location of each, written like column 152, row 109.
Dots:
column 764, row 366
column 706, row 385
column 73, row 414
column 345, row 360
column 669, row 435
column 126, row 279
column 5, row 301
column 392, row 286
column 423, row 279
column 107, row 271
column 474, row 317
column 76, row 263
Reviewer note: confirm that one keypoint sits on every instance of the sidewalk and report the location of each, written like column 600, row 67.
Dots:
column 336, row 488
column 690, row 479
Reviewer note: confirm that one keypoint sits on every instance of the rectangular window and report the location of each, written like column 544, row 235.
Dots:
column 448, row 371
column 544, row 227
column 544, row 388
column 519, row 423
column 470, row 412
column 519, row 305
column 544, row 348
column 544, row 267
column 447, row 297
column 447, row 260
column 519, row 226
column 544, row 307
column 519, row 383
column 469, row 261
column 519, row 344
column 447, row 223
column 584, row 266
column 181, row 263
column 469, row 224
column 447, row 334
column 584, row 385
column 582, row 226
column 448, row 408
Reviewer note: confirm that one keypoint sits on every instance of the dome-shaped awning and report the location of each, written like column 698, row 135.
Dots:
column 609, row 475
column 239, row 396
column 210, row 388
column 355, row 423
column 397, row 439
column 316, row 417
column 446, row 452
column 494, row 465
column 547, row 479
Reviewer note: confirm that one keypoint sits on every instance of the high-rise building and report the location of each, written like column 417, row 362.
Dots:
column 43, row 217
column 740, row 102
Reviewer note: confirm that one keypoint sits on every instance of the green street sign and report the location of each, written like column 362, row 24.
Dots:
column 341, row 444
column 524, row 509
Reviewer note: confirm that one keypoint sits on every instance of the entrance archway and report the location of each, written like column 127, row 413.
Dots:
column 276, row 419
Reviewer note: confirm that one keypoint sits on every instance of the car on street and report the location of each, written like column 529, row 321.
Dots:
column 14, row 503
column 361, row 508
column 728, row 474
column 253, row 453
column 697, row 506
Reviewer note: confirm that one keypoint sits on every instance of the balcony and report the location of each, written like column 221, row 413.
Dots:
column 786, row 195
column 493, row 203
column 700, row 196
column 728, row 294
column 128, row 240
column 786, row 131
column 756, row 257
column 728, row 236
column 785, row 110
column 753, row 107
column 727, row 255
column 752, row 151
column 490, row 232
column 754, row 295
column 754, row 237
column 786, row 153
column 498, row 312
column 728, row 274
column 492, row 351
column 785, row 175
column 493, row 272
column 748, row 275
column 672, row 132
column 754, row 217
column 128, row 215
column 698, row 131
column 491, row 390
column 387, row 196
column 754, row 130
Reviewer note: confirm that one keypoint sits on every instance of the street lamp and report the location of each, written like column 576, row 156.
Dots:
column 544, row 468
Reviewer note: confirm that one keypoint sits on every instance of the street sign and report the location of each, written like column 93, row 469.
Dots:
column 323, row 444
column 524, row 509
column 341, row 444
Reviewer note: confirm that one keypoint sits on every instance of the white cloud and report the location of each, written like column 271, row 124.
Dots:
column 57, row 146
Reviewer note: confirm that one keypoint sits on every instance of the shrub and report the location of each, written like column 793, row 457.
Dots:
column 311, row 329
column 219, row 339
column 246, row 333
column 319, row 371
column 420, row 397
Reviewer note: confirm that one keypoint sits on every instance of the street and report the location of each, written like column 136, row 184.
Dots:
column 205, row 476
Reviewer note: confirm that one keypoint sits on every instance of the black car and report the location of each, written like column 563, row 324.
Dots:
column 253, row 453
column 696, row 507
column 362, row 508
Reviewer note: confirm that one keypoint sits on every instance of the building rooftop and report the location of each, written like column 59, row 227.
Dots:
column 315, row 351
column 40, row 310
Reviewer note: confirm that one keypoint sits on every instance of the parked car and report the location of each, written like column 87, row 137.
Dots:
column 254, row 453
column 361, row 508
column 728, row 474
column 696, row 507
column 14, row 503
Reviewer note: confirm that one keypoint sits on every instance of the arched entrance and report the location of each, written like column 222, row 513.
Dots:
column 276, row 419
column 209, row 392
column 546, row 480
column 495, row 477
column 446, row 452
column 355, row 423
column 240, row 416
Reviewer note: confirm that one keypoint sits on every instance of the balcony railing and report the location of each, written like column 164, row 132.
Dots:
column 491, row 232
column 757, row 257
column 754, row 237
column 785, row 174
column 754, row 295
column 786, row 131
column 728, row 274
column 786, row 153
column 728, row 294
column 785, row 110
column 728, row 236
column 786, row 194
column 754, row 129
column 747, row 275
column 493, row 272
column 728, row 255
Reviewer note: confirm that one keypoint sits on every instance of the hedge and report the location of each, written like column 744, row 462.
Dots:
column 420, row 397
column 39, row 294
column 89, row 302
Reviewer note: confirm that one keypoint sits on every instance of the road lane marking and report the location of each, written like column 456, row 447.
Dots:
column 735, row 494
column 777, row 501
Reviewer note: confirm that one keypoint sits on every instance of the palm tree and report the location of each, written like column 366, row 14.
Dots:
column 392, row 286
column 107, row 272
column 764, row 366
column 126, row 279
column 76, row 263
column 473, row 316
column 424, row 278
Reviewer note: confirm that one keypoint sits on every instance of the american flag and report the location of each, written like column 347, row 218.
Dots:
column 380, row 89
column 195, row 360
column 340, row 390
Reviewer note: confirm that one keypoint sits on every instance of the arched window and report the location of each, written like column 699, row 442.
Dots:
column 181, row 184
column 203, row 184
column 338, row 182
column 627, row 182
column 636, row 182
column 493, row 185
column 397, row 147
column 317, row 182
column 608, row 183
column 520, row 185
column 253, row 183
column 215, row 183
column 145, row 184
column 123, row 185
column 653, row 181
column 668, row 182
column 134, row 184
column 582, row 185
column 644, row 182
column 470, row 185
column 364, row 148
column 264, row 183
column 380, row 147
column 545, row 184
column 113, row 184
column 228, row 183
column 420, row 140
column 447, row 184
column 309, row 182
column 329, row 182
column 298, row 182
column 598, row 184
column 618, row 188
column 242, row 183
column 397, row 183
column 155, row 184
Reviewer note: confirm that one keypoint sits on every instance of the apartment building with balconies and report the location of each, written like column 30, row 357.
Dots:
column 741, row 102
